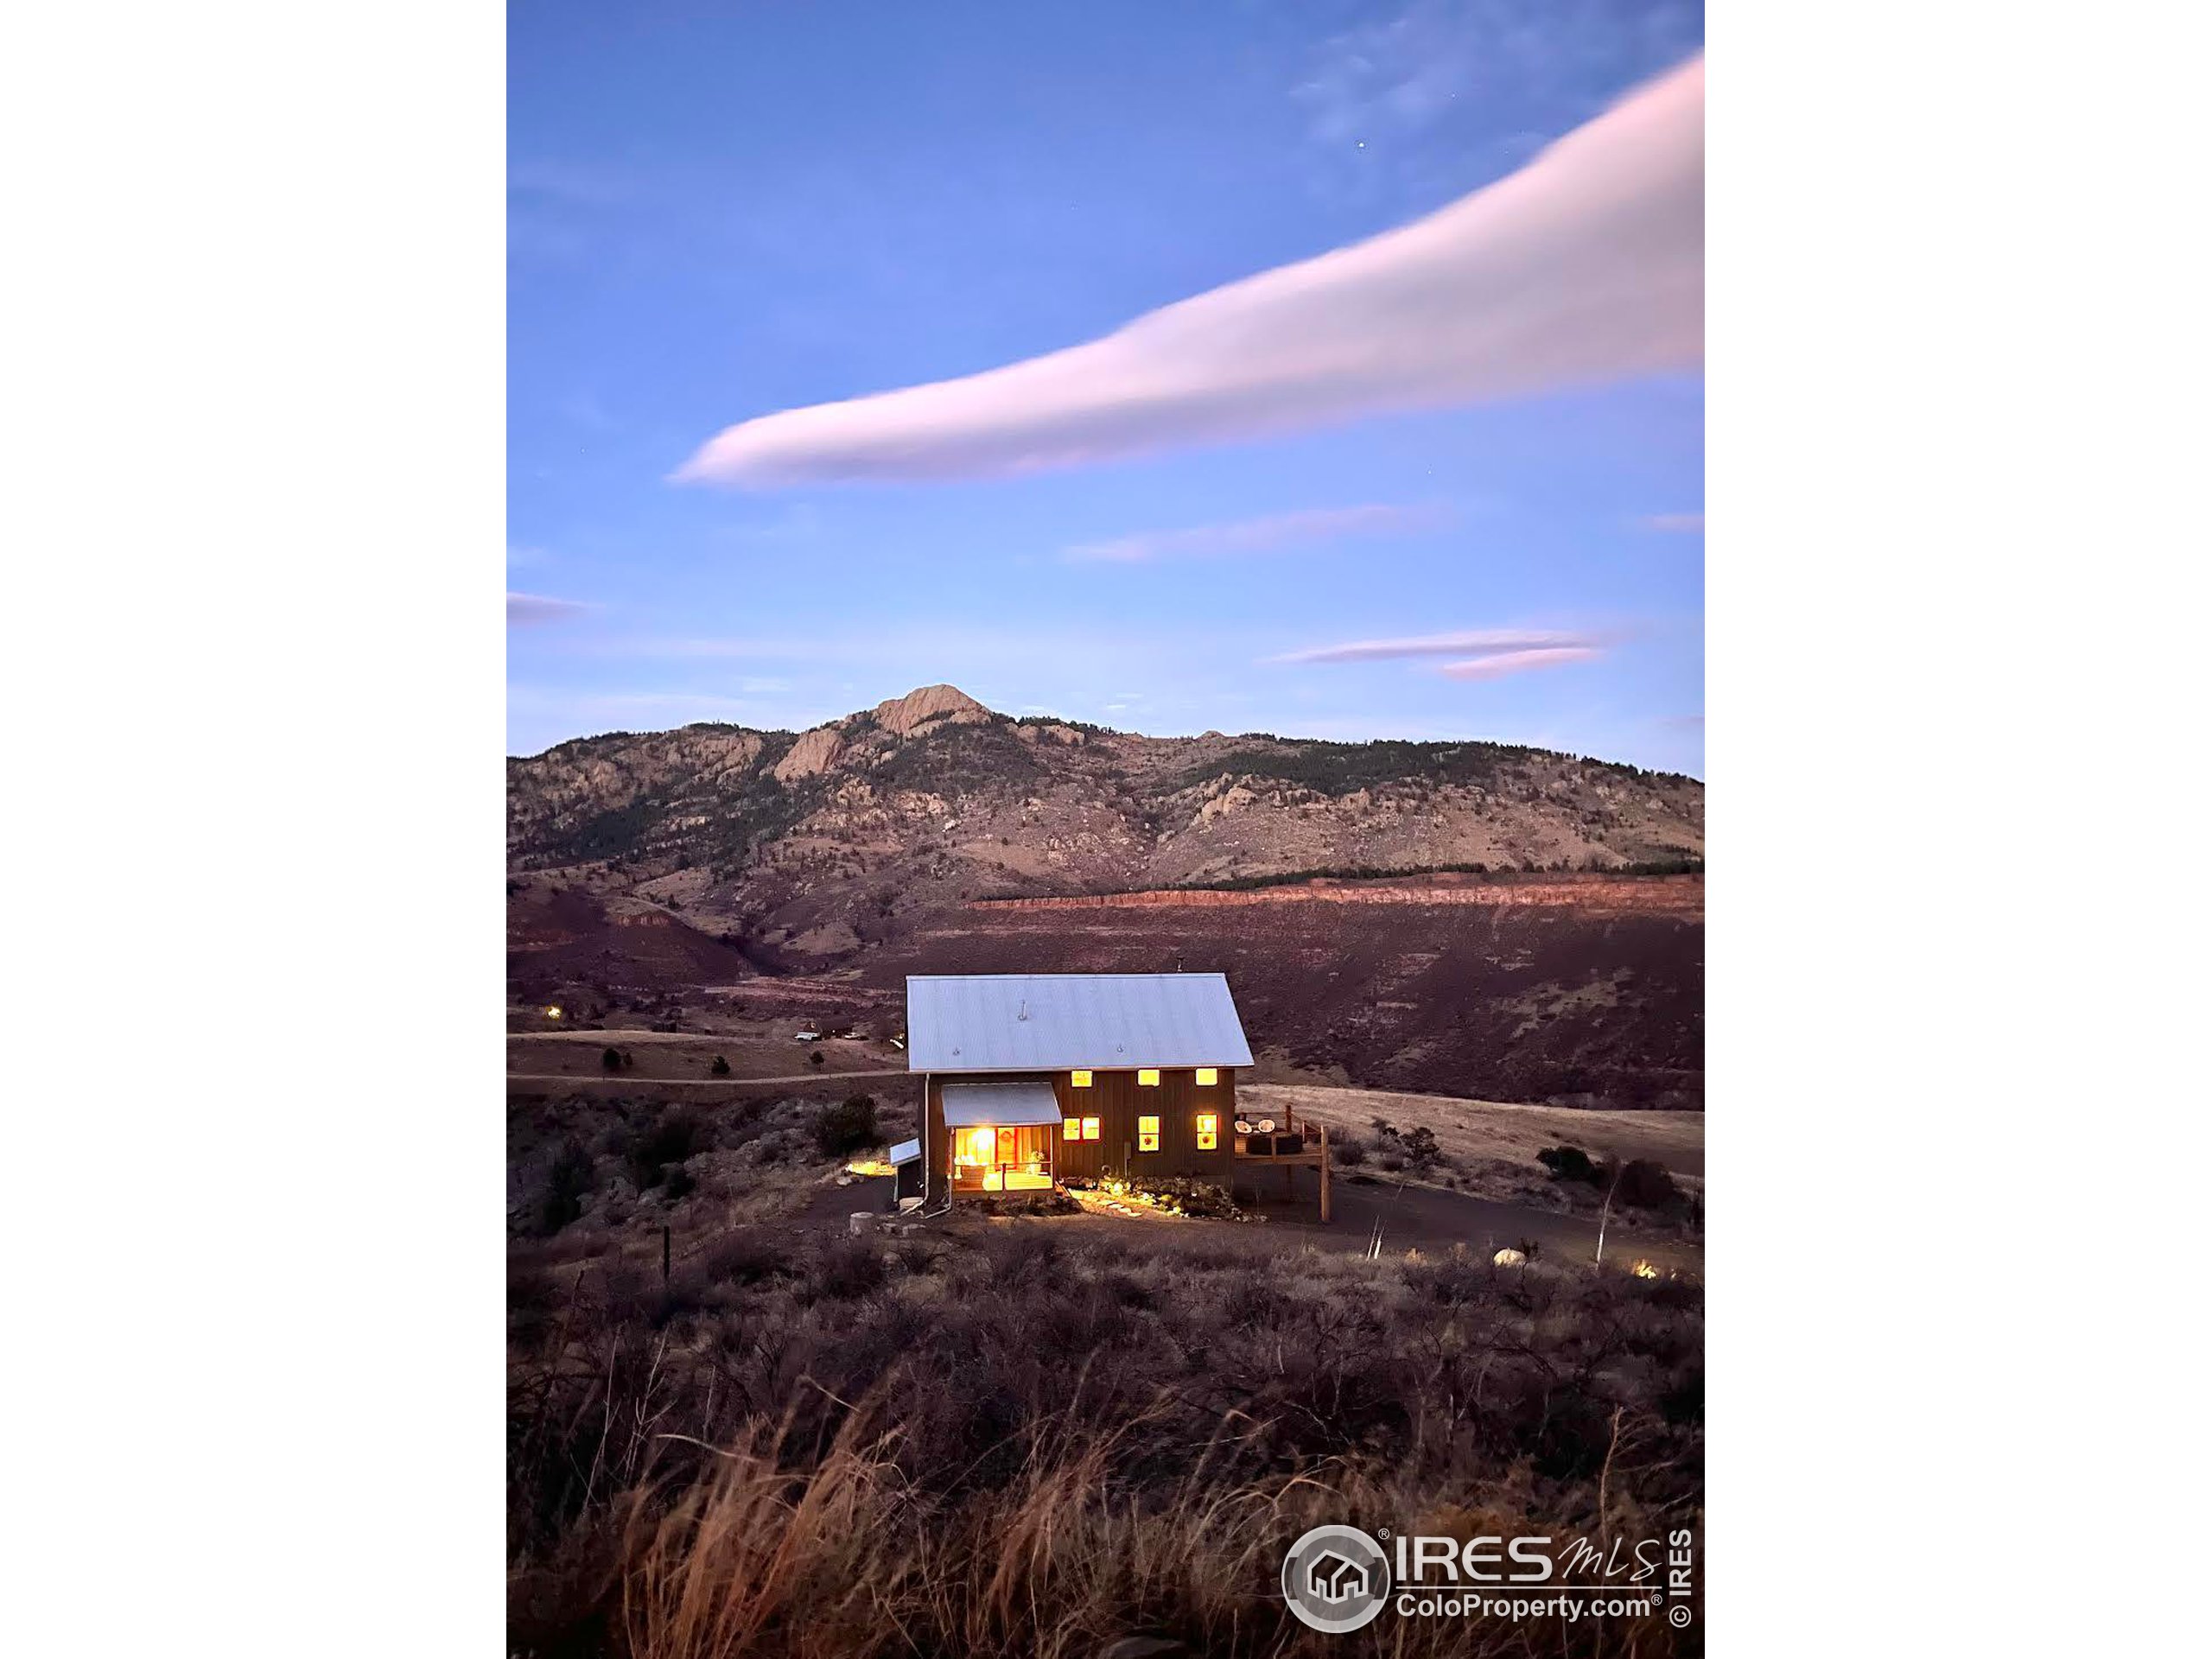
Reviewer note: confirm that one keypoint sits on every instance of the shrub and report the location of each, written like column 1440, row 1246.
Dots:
column 1421, row 1150
column 671, row 1141
column 1571, row 1164
column 1351, row 1152
column 815, row 1059
column 720, row 1068
column 566, row 1183
column 1643, row 1184
column 847, row 1126
column 610, row 1059
column 848, row 1270
column 745, row 1257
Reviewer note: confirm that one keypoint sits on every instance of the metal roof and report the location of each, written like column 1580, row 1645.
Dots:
column 905, row 1152
column 972, row 1105
column 1050, row 1022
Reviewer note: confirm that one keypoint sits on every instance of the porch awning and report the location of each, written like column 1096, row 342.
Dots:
column 1004, row 1105
column 905, row 1152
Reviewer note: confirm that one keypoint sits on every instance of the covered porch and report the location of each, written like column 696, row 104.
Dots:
column 1002, row 1136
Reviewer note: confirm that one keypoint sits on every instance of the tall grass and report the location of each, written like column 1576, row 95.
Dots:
column 1007, row 1447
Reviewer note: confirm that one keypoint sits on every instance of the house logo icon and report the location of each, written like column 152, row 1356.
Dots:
column 1336, row 1579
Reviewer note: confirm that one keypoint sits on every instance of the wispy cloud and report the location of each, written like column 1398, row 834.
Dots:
column 528, row 610
column 1479, row 642
column 1261, row 535
column 1475, row 654
column 1587, row 265
column 1518, row 662
column 1679, row 524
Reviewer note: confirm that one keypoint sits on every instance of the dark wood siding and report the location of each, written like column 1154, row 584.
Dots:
column 1117, row 1101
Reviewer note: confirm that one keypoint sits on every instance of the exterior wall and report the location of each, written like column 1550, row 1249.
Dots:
column 1116, row 1101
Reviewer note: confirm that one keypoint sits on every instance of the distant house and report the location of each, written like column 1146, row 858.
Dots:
column 1030, row 1080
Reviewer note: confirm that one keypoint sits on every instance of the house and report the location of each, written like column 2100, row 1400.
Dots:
column 1031, row 1080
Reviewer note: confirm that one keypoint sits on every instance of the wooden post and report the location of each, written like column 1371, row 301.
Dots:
column 663, row 1256
column 1324, row 1174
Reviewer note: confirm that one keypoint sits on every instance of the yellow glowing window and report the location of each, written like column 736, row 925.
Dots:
column 1072, row 1129
column 1147, row 1079
column 1148, row 1134
column 1208, row 1076
column 1078, row 1079
column 1090, row 1128
column 1208, row 1131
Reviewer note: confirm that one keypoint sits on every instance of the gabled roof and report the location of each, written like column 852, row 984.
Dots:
column 1050, row 1022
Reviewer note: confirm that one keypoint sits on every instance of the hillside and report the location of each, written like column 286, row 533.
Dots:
column 930, row 834
column 810, row 843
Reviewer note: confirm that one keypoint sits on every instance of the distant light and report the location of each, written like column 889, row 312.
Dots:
column 552, row 1014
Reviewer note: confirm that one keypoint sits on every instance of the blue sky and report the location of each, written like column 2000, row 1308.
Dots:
column 721, row 212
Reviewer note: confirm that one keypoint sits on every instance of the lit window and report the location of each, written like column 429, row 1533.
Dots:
column 1208, row 1076
column 1148, row 1134
column 1078, row 1079
column 1147, row 1079
column 1072, row 1129
column 1208, row 1131
column 1090, row 1128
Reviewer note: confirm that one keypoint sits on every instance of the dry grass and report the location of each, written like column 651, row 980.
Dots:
column 996, row 1443
column 1473, row 1130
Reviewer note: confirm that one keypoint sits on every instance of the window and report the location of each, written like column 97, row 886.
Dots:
column 1148, row 1134
column 1079, row 1128
column 1090, row 1128
column 1208, row 1076
column 1148, row 1079
column 1208, row 1131
column 1078, row 1079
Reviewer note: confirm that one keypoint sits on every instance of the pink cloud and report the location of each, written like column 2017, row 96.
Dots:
column 1518, row 662
column 1683, row 523
column 1587, row 265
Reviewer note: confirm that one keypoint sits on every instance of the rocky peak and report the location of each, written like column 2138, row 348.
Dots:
column 902, row 715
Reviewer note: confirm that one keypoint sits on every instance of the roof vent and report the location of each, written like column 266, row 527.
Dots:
column 1024, row 1012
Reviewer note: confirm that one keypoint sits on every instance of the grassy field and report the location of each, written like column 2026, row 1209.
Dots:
column 753, row 1050
column 1477, row 1129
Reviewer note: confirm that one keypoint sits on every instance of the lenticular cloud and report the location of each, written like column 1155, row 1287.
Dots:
column 1587, row 265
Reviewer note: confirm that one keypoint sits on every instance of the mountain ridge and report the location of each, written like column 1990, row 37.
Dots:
column 814, row 843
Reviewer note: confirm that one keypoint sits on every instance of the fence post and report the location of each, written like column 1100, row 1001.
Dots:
column 663, row 1256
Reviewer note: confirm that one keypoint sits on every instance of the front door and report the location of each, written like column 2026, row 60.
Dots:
column 1008, row 1153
